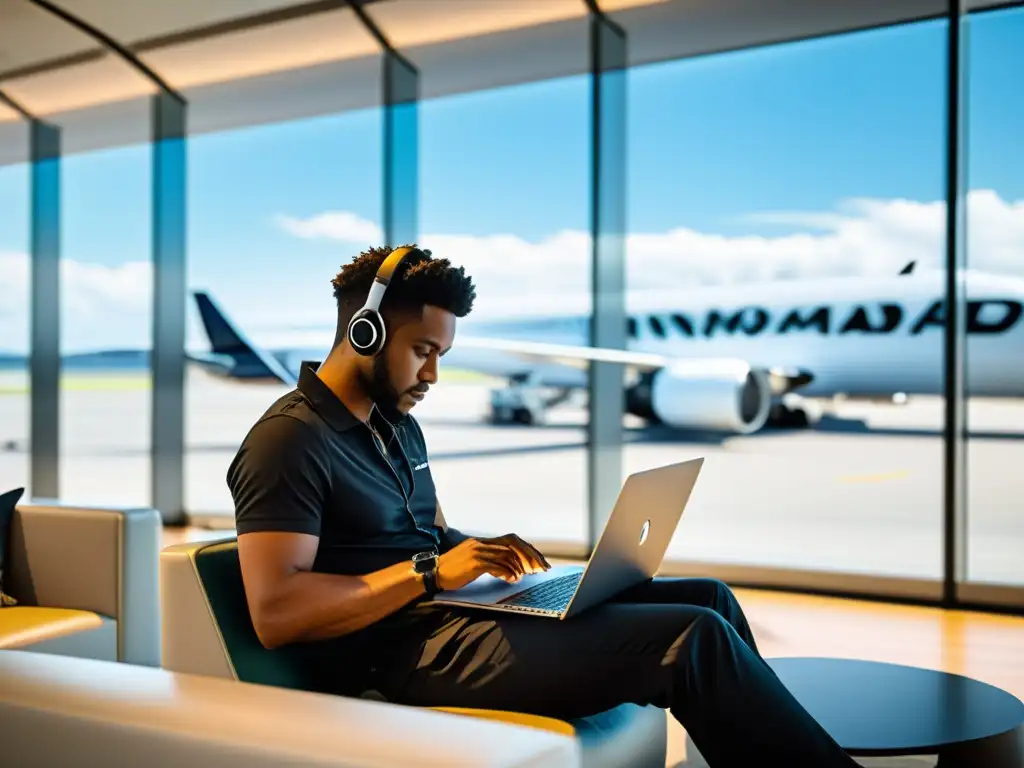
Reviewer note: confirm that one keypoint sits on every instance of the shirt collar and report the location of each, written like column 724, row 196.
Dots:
column 323, row 400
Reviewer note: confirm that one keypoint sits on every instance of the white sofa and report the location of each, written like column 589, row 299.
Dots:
column 68, row 711
column 86, row 580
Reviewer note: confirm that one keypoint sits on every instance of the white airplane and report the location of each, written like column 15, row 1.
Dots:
column 727, row 359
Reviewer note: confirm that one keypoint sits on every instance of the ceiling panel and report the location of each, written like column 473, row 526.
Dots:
column 134, row 20
column 325, row 63
column 682, row 28
column 103, row 81
column 332, row 88
column 518, row 56
column 411, row 23
column 7, row 114
column 620, row 5
column 113, row 125
column 29, row 35
column 333, row 36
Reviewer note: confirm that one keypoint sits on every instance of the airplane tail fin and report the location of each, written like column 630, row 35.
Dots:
column 224, row 339
column 237, row 357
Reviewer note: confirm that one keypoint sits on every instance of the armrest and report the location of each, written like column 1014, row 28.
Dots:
column 100, row 559
column 55, row 709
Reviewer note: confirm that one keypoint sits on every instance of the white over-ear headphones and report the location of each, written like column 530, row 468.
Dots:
column 366, row 332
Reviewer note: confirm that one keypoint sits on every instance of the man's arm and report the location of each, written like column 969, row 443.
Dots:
column 288, row 602
column 280, row 483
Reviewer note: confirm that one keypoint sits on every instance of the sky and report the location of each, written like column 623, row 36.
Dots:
column 821, row 157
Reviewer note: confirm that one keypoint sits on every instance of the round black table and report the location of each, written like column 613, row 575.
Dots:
column 873, row 709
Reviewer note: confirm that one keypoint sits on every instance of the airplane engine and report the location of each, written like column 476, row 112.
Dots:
column 719, row 395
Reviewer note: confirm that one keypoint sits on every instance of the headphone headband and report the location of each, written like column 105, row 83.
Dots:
column 390, row 264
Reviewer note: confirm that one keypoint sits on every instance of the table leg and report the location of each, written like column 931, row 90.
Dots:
column 1003, row 751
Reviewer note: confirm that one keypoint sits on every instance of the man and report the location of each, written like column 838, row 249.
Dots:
column 334, row 497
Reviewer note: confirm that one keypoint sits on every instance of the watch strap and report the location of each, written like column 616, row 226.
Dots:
column 430, row 582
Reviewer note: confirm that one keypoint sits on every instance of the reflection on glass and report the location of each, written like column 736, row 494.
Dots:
column 273, row 213
column 106, row 327
column 14, row 327
column 994, row 380
column 786, row 256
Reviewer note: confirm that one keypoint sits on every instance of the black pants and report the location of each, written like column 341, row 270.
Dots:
column 680, row 644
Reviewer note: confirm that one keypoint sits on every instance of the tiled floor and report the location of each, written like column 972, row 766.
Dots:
column 986, row 647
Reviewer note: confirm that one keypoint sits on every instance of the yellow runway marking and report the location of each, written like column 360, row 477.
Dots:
column 876, row 477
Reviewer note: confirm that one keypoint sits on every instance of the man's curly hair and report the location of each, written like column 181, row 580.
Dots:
column 418, row 281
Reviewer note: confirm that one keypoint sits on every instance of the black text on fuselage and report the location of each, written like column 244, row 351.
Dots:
column 983, row 316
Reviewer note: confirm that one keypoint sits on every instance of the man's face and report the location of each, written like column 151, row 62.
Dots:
column 399, row 377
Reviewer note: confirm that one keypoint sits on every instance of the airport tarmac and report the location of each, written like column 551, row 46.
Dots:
column 861, row 492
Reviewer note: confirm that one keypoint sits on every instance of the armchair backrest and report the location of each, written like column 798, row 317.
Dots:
column 207, row 628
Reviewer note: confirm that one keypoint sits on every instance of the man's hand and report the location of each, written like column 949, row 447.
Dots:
column 504, row 557
column 529, row 556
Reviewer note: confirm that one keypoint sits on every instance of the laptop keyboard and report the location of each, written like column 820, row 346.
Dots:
column 553, row 595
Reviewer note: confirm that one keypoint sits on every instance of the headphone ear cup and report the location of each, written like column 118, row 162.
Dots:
column 366, row 332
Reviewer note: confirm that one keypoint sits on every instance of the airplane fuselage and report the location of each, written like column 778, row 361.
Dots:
column 853, row 339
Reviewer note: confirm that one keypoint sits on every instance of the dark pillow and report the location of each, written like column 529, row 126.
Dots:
column 7, row 504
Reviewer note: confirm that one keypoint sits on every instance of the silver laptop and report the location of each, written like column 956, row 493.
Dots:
column 629, row 551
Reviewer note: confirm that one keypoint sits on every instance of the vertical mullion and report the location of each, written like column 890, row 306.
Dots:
column 167, row 449
column 954, row 517
column 607, row 232
column 44, row 365
column 401, row 150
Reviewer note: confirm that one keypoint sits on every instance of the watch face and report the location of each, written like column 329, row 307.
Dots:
column 424, row 561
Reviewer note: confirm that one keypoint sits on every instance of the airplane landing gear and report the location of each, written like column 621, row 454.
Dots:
column 517, row 405
column 792, row 412
column 783, row 417
column 523, row 403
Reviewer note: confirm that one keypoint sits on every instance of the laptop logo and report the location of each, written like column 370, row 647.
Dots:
column 644, row 531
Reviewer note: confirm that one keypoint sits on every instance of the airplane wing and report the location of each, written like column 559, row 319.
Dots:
column 782, row 381
column 567, row 354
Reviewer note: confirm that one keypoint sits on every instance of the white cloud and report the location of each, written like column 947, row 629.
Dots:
column 109, row 306
column 861, row 237
column 103, row 306
column 333, row 225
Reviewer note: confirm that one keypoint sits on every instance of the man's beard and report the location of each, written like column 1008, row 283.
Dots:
column 382, row 392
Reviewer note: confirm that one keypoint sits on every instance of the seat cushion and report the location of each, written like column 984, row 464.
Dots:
column 25, row 625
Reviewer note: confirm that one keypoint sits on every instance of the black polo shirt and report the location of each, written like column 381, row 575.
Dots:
column 308, row 465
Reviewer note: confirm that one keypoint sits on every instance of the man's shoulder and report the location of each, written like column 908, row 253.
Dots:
column 280, row 477
column 289, row 418
column 295, row 405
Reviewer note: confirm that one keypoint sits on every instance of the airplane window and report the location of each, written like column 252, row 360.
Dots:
column 657, row 327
